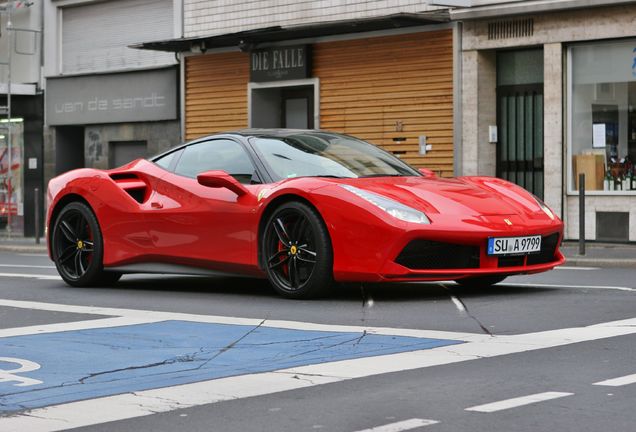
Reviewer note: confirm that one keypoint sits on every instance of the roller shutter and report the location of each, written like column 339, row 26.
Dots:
column 95, row 36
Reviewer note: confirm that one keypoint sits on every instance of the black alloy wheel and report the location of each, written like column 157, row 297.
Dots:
column 296, row 252
column 77, row 247
column 478, row 282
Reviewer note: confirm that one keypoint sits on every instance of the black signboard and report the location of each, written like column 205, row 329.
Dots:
column 280, row 63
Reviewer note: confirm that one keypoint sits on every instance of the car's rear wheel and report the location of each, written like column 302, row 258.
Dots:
column 77, row 247
column 480, row 281
column 297, row 253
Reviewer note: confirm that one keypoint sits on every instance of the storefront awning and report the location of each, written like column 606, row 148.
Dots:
column 250, row 39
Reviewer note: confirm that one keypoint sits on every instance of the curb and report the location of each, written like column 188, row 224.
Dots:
column 24, row 248
column 600, row 262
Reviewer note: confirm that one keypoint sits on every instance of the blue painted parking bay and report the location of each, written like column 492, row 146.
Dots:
column 85, row 364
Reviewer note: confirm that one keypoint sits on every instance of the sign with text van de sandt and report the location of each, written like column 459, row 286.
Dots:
column 280, row 63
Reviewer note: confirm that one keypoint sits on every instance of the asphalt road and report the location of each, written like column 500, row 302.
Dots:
column 440, row 358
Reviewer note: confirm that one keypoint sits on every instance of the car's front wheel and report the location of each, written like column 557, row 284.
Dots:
column 296, row 252
column 77, row 246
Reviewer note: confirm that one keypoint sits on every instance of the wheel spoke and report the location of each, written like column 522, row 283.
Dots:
column 274, row 258
column 281, row 232
column 78, row 263
column 306, row 255
column 293, row 274
column 68, row 231
column 278, row 263
column 67, row 254
column 88, row 246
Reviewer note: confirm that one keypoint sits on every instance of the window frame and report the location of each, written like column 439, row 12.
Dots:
column 569, row 156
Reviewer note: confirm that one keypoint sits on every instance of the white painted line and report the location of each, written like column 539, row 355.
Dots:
column 575, row 268
column 401, row 425
column 458, row 304
column 34, row 254
column 27, row 266
column 539, row 285
column 517, row 402
column 75, row 325
column 30, row 276
column 617, row 382
column 291, row 325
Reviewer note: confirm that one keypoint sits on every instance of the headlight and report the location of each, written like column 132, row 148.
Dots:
column 544, row 207
column 394, row 208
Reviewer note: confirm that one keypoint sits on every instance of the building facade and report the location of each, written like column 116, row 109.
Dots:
column 106, row 103
column 21, row 144
column 383, row 71
column 549, row 93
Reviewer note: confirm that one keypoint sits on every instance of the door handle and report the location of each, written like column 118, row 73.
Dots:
column 156, row 205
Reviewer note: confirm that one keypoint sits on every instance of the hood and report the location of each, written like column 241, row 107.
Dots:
column 464, row 196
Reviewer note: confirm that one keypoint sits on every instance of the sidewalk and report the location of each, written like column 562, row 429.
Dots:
column 596, row 254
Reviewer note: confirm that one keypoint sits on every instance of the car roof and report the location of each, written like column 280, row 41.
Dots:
column 280, row 133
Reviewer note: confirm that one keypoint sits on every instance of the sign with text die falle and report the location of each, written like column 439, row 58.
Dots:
column 280, row 63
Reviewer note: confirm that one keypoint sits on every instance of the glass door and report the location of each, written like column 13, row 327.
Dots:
column 520, row 118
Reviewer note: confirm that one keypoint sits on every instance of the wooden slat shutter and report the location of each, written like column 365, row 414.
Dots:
column 216, row 93
column 367, row 85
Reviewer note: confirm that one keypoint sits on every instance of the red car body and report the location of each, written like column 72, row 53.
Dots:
column 150, row 215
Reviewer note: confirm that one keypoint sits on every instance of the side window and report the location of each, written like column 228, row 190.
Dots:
column 165, row 161
column 223, row 155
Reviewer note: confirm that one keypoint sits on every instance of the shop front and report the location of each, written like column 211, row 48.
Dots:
column 393, row 90
column 601, row 114
column 549, row 95
column 104, row 121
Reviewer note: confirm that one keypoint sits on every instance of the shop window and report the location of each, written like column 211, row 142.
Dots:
column 602, row 116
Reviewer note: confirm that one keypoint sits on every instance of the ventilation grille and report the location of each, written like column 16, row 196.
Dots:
column 426, row 254
column 510, row 29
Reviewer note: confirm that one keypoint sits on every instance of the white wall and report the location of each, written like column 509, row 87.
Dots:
column 26, row 53
column 213, row 17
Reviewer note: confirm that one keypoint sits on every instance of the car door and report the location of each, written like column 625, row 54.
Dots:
column 199, row 225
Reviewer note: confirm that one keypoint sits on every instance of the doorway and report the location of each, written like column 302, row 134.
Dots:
column 292, row 105
column 122, row 152
column 520, row 118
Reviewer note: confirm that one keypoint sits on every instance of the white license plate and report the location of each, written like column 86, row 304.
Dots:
column 513, row 245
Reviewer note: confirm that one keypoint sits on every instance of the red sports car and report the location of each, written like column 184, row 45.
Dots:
column 303, row 208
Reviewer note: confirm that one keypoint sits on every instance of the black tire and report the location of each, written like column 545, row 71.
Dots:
column 478, row 282
column 297, row 253
column 78, row 247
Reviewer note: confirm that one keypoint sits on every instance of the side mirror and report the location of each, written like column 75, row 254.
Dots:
column 427, row 172
column 221, row 179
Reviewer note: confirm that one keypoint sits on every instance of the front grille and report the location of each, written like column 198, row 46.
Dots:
column 511, row 261
column 426, row 254
column 548, row 249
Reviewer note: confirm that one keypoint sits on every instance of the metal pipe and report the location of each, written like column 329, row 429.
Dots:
column 581, row 214
column 9, row 131
column 36, row 219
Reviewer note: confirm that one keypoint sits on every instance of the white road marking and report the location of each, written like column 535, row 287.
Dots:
column 151, row 316
column 458, row 304
column 129, row 405
column 30, row 276
column 27, row 266
column 34, row 254
column 617, row 382
column 401, row 425
column 517, row 402
column 575, row 268
column 76, row 325
column 539, row 285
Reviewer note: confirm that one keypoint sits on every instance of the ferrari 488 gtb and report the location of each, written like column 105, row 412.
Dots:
column 303, row 208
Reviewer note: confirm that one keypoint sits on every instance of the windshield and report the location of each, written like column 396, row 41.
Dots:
column 327, row 155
